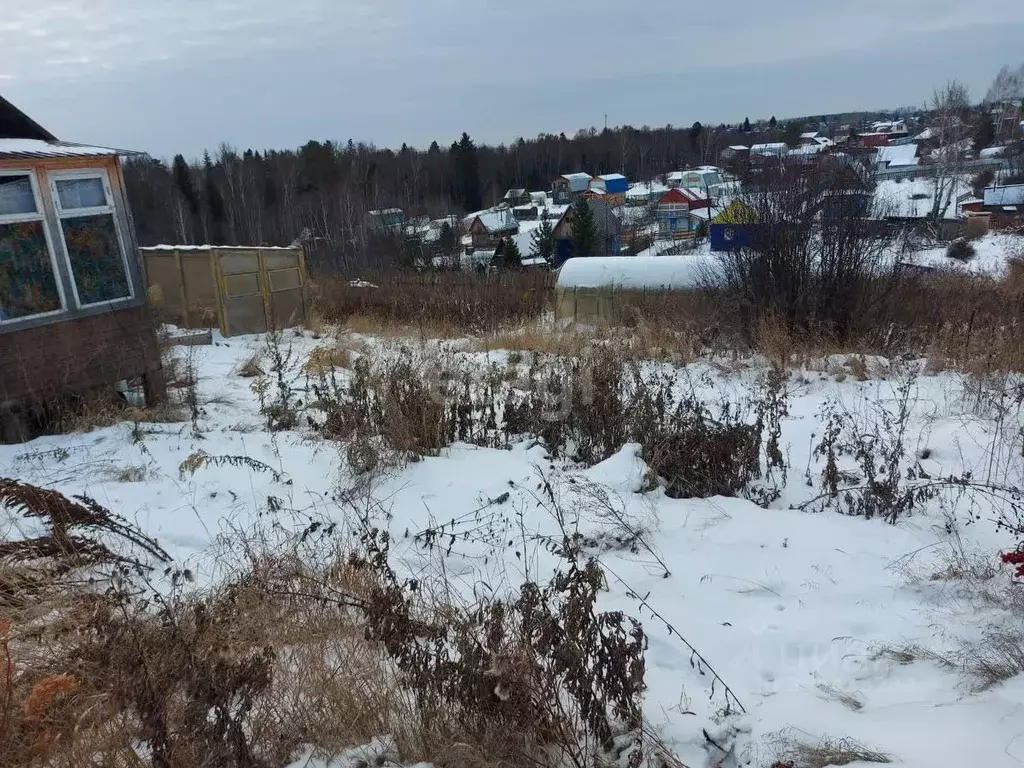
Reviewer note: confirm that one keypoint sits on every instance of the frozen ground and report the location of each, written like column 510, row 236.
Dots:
column 991, row 255
column 790, row 608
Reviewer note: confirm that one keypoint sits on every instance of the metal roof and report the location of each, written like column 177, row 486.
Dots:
column 33, row 149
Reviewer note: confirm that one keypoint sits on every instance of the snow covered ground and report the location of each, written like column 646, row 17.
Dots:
column 792, row 609
column 991, row 255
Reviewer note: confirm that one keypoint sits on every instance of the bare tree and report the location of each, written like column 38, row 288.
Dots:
column 950, row 105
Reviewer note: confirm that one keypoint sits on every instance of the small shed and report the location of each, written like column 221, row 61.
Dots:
column 73, row 313
column 595, row 289
column 238, row 290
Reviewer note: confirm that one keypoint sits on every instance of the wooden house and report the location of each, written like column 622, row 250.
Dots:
column 73, row 313
column 489, row 228
column 673, row 212
column 516, row 197
column 568, row 187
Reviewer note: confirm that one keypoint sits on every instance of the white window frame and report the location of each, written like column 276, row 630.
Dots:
column 76, row 213
column 40, row 216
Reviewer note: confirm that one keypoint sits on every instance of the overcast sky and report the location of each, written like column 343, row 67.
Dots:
column 170, row 76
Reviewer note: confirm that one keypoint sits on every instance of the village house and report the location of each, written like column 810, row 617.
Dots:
column 898, row 156
column 73, row 313
column 516, row 197
column 568, row 188
column 487, row 229
column 697, row 178
column 673, row 212
column 645, row 193
column 606, row 223
column 389, row 221
column 612, row 186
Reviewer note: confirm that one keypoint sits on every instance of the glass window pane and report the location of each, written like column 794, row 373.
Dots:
column 95, row 257
column 16, row 195
column 27, row 283
column 81, row 193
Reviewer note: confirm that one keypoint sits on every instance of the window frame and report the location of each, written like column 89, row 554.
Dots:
column 74, row 213
column 40, row 216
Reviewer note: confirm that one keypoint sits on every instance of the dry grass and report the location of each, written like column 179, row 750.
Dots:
column 251, row 367
column 848, row 700
column 958, row 321
column 797, row 752
column 996, row 658
column 303, row 641
column 327, row 357
column 434, row 302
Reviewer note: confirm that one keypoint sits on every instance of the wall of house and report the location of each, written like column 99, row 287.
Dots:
column 44, row 356
column 87, row 352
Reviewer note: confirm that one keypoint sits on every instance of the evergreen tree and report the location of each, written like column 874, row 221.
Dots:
column 508, row 256
column 214, row 201
column 746, row 125
column 543, row 239
column 984, row 131
column 183, row 179
column 467, row 173
column 584, row 230
column 772, row 123
column 695, row 131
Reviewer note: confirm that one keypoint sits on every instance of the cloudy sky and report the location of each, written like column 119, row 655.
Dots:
column 172, row 76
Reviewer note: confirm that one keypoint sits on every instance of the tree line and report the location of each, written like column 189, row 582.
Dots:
column 324, row 190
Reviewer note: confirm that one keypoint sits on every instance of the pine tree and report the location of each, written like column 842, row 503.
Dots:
column 695, row 130
column 467, row 173
column 584, row 230
column 214, row 201
column 509, row 256
column 984, row 131
column 746, row 125
column 183, row 179
column 543, row 239
column 773, row 122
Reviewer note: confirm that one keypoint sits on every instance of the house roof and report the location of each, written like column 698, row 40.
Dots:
column 612, row 176
column 689, row 195
column 515, row 193
column 1011, row 195
column 29, row 149
column 897, row 155
column 738, row 147
column 15, row 124
column 645, row 189
column 809, row 135
column 776, row 148
column 577, row 181
column 498, row 221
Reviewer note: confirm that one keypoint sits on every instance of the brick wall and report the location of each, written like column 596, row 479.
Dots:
column 74, row 355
